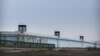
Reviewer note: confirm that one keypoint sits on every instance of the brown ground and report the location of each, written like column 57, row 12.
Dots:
column 45, row 52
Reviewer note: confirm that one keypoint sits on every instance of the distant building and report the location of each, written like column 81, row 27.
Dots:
column 22, row 36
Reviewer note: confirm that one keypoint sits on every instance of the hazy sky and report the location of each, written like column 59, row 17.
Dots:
column 72, row 17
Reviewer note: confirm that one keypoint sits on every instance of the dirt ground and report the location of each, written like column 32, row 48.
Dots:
column 46, row 52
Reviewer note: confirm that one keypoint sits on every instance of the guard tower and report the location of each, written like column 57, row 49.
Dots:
column 82, row 38
column 82, row 41
column 22, row 28
column 57, row 33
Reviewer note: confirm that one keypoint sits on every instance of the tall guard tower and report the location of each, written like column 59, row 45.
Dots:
column 22, row 28
column 57, row 33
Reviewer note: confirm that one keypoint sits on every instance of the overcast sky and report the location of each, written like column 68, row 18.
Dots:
column 72, row 17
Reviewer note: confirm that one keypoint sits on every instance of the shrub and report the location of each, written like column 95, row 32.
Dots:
column 93, row 49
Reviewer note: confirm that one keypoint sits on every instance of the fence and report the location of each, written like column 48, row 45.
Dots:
column 7, row 43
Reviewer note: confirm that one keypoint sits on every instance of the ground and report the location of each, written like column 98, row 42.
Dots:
column 47, row 52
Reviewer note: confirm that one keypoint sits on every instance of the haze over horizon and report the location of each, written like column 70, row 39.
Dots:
column 72, row 17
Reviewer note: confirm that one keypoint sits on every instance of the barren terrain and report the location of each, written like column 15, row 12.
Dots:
column 46, row 52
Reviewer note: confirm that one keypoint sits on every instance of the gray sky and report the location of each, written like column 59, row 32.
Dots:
column 72, row 17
